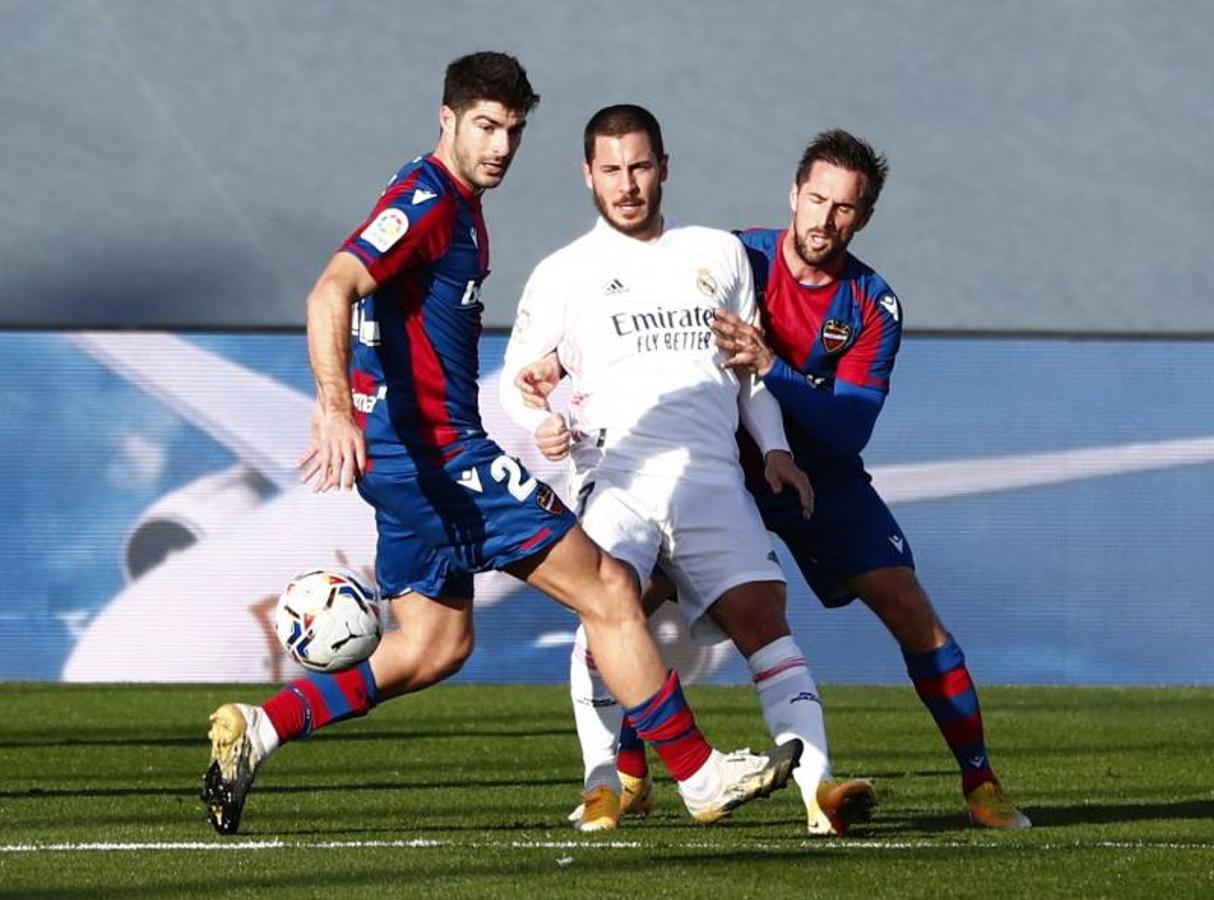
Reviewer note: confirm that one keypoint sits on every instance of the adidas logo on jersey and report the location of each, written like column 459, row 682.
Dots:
column 614, row 287
column 421, row 195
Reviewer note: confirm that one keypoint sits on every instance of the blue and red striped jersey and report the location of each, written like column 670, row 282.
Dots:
column 837, row 343
column 414, row 363
column 849, row 330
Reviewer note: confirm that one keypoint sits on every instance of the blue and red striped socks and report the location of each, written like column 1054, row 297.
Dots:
column 944, row 685
column 666, row 721
column 317, row 700
column 631, row 757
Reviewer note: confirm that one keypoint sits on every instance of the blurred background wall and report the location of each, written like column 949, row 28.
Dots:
column 183, row 163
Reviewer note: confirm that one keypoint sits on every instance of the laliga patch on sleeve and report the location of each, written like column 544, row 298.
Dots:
column 386, row 229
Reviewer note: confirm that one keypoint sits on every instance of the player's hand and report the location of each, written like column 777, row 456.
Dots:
column 781, row 472
column 538, row 380
column 744, row 345
column 552, row 437
column 340, row 456
column 309, row 461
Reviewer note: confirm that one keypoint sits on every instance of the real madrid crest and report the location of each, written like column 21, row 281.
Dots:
column 835, row 335
column 706, row 283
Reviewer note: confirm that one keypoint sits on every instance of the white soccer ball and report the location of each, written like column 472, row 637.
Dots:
column 329, row 619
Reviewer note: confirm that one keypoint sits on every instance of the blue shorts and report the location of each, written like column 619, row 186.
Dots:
column 480, row 510
column 851, row 532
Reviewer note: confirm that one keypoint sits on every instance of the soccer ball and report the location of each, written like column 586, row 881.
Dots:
column 329, row 619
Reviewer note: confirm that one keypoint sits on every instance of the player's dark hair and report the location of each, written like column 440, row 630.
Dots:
column 487, row 75
column 845, row 150
column 620, row 119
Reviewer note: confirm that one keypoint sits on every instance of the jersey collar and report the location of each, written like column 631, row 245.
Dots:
column 464, row 190
column 782, row 265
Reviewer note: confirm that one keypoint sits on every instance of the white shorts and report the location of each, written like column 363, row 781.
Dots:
column 707, row 537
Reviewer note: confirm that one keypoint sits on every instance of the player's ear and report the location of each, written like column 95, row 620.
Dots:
column 864, row 217
column 792, row 196
column 663, row 171
column 586, row 175
column 446, row 121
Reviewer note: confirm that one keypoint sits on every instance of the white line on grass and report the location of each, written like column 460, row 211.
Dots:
column 424, row 843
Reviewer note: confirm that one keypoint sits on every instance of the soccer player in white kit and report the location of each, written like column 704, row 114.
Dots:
column 651, row 429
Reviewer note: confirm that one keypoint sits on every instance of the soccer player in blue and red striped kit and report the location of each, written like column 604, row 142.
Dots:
column 831, row 328
column 397, row 417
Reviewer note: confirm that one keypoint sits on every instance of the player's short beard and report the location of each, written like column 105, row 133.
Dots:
column 820, row 259
column 631, row 228
column 468, row 165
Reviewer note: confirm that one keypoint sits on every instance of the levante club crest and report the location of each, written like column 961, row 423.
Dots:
column 835, row 335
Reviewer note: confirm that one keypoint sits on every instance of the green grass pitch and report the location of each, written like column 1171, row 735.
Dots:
column 462, row 792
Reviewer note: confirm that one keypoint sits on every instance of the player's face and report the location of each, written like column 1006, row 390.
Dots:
column 626, row 178
column 483, row 140
column 826, row 213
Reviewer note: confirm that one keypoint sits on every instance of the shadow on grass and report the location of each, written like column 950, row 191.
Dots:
column 35, row 793
column 1063, row 816
column 879, row 776
column 337, row 737
column 1104, row 813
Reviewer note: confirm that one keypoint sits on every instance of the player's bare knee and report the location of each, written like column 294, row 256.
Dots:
column 617, row 599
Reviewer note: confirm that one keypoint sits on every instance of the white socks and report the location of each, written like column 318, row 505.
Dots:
column 787, row 695
column 597, row 715
column 791, row 708
column 265, row 731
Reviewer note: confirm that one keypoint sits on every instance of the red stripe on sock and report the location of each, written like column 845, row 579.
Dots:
column 669, row 686
column 672, row 729
column 951, row 684
column 287, row 713
column 963, row 732
column 677, row 740
column 684, row 756
column 795, row 663
column 354, row 689
column 633, row 762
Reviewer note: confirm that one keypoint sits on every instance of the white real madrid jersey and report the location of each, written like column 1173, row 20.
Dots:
column 631, row 323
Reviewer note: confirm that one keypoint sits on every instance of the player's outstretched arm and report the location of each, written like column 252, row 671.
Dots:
column 340, row 454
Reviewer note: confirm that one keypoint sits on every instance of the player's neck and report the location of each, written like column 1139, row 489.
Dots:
column 442, row 154
column 806, row 274
column 646, row 236
column 653, row 232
